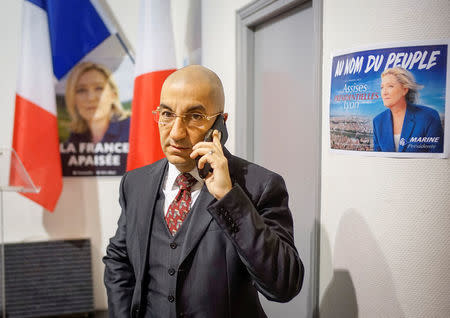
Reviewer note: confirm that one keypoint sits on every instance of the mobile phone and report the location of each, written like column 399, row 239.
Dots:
column 219, row 125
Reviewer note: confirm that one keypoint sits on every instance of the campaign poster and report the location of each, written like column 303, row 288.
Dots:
column 391, row 100
column 94, row 112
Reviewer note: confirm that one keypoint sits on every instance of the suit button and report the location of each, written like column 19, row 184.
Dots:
column 173, row 245
column 136, row 312
column 171, row 298
column 171, row 271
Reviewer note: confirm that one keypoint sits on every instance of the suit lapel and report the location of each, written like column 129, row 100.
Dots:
column 408, row 126
column 199, row 222
column 201, row 218
column 146, row 209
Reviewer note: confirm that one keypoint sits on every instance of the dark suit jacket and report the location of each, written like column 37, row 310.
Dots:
column 420, row 121
column 234, row 247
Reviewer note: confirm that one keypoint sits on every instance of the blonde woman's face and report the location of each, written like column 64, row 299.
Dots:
column 93, row 96
column 392, row 91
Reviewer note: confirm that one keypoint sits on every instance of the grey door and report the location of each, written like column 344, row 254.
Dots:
column 286, row 131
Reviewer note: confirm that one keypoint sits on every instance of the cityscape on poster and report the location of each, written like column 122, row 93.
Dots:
column 390, row 101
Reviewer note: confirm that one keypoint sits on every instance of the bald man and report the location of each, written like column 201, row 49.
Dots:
column 192, row 247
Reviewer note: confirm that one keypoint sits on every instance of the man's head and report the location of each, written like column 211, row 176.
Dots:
column 192, row 89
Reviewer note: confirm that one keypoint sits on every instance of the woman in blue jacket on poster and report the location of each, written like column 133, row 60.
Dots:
column 92, row 99
column 404, row 126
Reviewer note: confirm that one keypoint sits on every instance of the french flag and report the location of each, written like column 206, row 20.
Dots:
column 56, row 35
column 155, row 60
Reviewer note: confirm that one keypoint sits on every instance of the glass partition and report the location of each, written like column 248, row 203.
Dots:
column 13, row 178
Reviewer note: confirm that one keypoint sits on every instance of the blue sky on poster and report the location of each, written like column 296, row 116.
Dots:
column 356, row 78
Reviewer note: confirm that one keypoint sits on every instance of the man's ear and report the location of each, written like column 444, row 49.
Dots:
column 225, row 116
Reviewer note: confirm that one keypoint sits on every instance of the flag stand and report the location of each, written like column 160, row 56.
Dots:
column 13, row 178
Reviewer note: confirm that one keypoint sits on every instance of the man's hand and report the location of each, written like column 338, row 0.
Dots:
column 219, row 181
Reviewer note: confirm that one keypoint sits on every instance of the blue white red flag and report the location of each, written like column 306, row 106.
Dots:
column 56, row 35
column 155, row 60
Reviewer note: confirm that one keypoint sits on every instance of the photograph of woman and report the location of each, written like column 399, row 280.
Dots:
column 92, row 101
column 405, row 126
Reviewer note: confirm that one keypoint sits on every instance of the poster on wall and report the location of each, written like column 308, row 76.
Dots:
column 94, row 69
column 94, row 113
column 391, row 100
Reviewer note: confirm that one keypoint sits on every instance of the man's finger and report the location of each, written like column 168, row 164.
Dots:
column 201, row 151
column 202, row 144
column 204, row 159
column 216, row 140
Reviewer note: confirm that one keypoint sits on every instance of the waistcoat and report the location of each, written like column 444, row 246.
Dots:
column 164, row 260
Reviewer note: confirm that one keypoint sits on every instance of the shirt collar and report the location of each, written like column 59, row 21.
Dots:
column 173, row 172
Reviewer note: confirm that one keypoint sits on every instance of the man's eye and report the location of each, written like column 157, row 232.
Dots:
column 197, row 116
column 166, row 114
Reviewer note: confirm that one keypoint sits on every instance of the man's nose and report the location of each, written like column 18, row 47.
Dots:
column 178, row 130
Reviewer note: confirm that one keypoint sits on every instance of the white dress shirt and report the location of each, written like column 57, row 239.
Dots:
column 170, row 188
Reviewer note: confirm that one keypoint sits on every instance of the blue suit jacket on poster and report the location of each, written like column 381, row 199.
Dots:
column 118, row 131
column 421, row 131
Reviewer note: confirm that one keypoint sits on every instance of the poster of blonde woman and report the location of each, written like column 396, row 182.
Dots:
column 390, row 101
column 94, row 122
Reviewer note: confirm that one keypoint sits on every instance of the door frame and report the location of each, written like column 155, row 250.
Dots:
column 248, row 18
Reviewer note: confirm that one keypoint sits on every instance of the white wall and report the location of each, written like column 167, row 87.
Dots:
column 10, row 18
column 219, row 51
column 385, row 243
